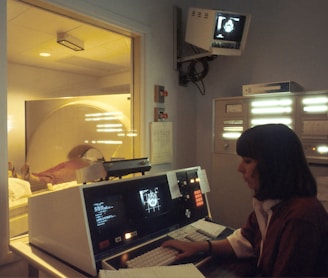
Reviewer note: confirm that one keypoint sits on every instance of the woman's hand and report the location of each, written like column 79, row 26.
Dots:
column 186, row 248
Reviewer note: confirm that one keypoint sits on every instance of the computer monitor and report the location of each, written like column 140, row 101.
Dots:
column 219, row 32
column 123, row 213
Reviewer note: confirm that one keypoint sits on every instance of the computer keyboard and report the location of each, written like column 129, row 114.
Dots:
column 190, row 233
column 156, row 257
column 165, row 256
column 197, row 236
column 131, row 258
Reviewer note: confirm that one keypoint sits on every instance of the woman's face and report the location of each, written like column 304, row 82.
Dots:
column 248, row 169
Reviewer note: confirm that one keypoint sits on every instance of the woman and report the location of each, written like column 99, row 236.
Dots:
column 287, row 232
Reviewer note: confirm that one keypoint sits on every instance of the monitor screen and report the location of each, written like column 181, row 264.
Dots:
column 151, row 199
column 123, row 213
column 216, row 31
column 109, row 210
column 229, row 29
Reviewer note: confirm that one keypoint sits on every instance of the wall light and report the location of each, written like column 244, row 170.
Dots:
column 315, row 108
column 315, row 100
column 231, row 135
column 69, row 41
column 265, row 103
column 271, row 110
column 262, row 121
column 323, row 149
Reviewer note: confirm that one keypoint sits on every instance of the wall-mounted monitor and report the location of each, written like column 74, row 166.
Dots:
column 218, row 32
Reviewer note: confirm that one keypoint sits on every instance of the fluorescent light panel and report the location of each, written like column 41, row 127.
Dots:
column 231, row 135
column 271, row 110
column 315, row 108
column 315, row 100
column 262, row 121
column 266, row 103
column 323, row 149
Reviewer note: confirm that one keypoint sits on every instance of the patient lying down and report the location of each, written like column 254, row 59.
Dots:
column 79, row 157
column 63, row 172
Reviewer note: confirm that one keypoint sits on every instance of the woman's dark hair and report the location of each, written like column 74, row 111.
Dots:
column 281, row 163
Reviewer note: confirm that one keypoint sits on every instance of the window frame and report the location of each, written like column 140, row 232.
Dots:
column 140, row 35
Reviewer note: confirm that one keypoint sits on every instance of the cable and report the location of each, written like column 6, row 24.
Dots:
column 201, row 90
column 193, row 71
column 196, row 72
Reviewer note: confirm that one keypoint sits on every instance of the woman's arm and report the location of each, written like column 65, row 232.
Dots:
column 187, row 249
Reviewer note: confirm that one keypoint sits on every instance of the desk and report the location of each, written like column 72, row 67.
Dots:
column 42, row 264
column 222, row 267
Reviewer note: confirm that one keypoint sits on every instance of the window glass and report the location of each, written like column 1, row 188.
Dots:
column 61, row 100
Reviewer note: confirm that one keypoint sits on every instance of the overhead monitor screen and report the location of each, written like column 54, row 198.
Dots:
column 229, row 27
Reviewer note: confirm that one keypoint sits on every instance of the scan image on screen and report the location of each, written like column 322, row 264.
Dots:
column 149, row 204
column 150, row 199
column 229, row 27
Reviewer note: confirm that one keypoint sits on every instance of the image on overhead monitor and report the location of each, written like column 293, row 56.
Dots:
column 229, row 27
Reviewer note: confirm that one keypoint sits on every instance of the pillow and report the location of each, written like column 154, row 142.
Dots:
column 18, row 188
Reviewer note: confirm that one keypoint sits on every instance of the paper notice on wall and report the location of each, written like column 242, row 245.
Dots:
column 160, row 142
column 173, row 184
column 203, row 181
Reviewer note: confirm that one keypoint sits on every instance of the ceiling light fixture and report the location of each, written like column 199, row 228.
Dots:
column 69, row 41
column 45, row 54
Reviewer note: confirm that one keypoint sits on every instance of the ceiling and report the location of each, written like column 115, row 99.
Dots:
column 32, row 30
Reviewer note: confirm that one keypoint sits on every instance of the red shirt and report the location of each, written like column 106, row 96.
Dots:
column 296, row 242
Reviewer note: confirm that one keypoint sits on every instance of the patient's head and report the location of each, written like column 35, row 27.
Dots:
column 93, row 155
column 85, row 151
